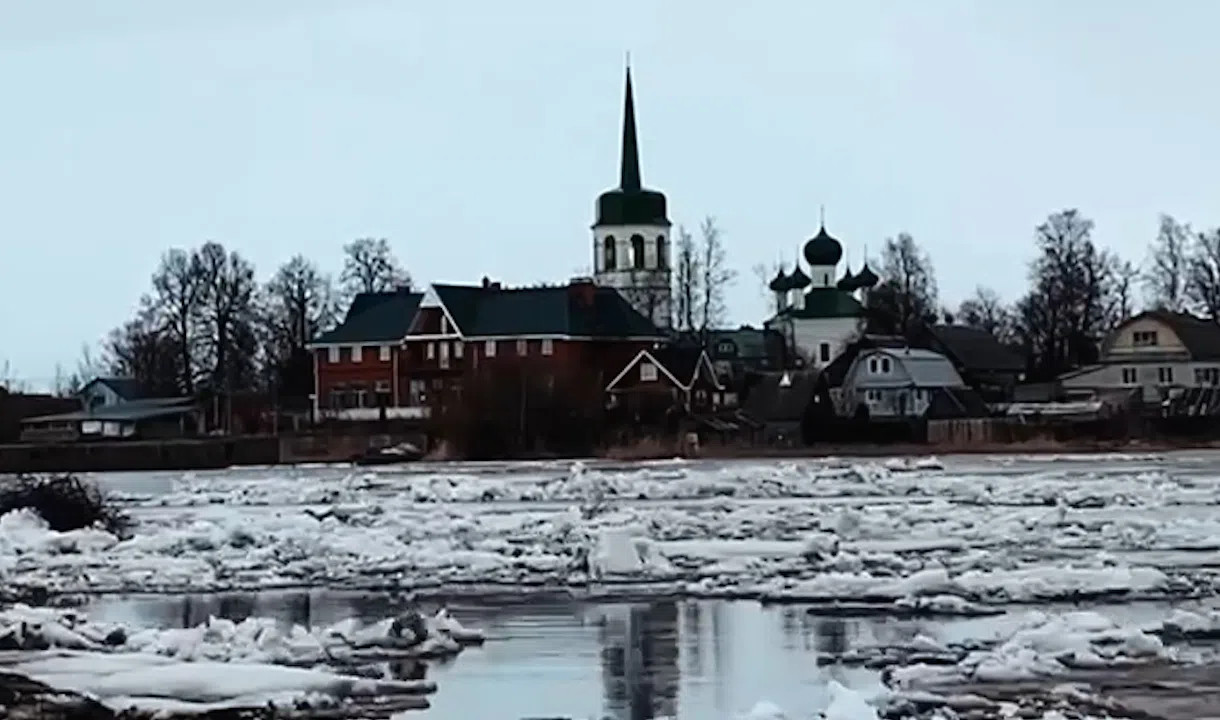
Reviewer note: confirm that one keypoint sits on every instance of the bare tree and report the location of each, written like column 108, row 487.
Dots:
column 143, row 349
column 1168, row 271
column 175, row 305
column 907, row 292
column 764, row 274
column 1070, row 305
column 986, row 311
column 715, row 276
column 369, row 265
column 687, row 278
column 300, row 303
column 1121, row 293
column 1203, row 274
column 229, row 316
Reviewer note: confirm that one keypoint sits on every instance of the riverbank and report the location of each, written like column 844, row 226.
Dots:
column 220, row 453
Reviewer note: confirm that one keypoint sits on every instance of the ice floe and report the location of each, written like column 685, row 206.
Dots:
column 817, row 530
column 222, row 663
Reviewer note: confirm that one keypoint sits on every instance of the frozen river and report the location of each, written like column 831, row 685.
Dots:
column 686, row 589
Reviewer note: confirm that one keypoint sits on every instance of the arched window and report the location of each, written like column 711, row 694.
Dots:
column 662, row 253
column 608, row 253
column 637, row 252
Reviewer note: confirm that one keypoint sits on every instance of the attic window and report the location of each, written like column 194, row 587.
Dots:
column 648, row 372
column 885, row 365
column 1144, row 338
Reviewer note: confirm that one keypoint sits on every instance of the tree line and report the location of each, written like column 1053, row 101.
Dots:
column 1078, row 291
column 207, row 323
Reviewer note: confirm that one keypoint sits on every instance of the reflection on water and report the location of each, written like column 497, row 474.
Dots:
column 696, row 659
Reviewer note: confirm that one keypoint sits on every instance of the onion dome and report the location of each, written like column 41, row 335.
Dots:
column 822, row 249
column 780, row 282
column 798, row 280
column 847, row 282
column 866, row 278
column 631, row 203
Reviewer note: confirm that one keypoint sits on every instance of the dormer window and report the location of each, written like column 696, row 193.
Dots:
column 1144, row 338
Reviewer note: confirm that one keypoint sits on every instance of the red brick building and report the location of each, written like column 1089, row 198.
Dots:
column 401, row 354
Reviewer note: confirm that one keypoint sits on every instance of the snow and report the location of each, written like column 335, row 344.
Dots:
column 988, row 531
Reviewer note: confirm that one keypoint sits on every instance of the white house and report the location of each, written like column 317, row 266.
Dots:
column 899, row 383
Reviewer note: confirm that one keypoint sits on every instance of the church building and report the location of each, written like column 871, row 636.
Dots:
column 631, row 233
column 818, row 313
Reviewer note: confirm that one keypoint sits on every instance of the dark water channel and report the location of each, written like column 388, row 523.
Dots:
column 687, row 659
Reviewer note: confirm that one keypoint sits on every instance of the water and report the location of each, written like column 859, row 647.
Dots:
column 687, row 659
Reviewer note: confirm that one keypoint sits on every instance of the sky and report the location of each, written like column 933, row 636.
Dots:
column 477, row 135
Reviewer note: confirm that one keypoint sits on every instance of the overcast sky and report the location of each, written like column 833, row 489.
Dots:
column 476, row 135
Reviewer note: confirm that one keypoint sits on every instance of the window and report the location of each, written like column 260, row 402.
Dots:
column 726, row 348
column 431, row 350
column 885, row 365
column 1164, row 375
column 489, row 348
column 357, row 353
column 662, row 252
column 417, row 392
column 872, row 395
column 382, row 391
column 824, row 352
column 1144, row 338
column 1130, row 376
column 444, row 325
column 608, row 253
column 383, row 353
column 825, row 280
column 444, row 356
column 548, row 346
column 457, row 349
column 872, row 365
column 332, row 353
column 648, row 372
column 523, row 347
column 637, row 252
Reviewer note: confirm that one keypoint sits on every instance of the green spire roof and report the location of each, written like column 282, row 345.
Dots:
column 630, row 203
column 629, row 165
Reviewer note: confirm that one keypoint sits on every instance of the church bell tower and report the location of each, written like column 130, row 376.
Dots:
column 631, row 249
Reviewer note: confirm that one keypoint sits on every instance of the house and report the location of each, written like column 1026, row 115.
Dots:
column 567, row 333
column 112, row 408
column 16, row 407
column 902, row 383
column 818, row 313
column 780, row 403
column 986, row 365
column 1160, row 355
column 657, row 380
column 737, row 353
column 357, row 364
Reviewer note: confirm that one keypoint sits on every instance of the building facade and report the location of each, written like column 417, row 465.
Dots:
column 631, row 243
column 816, row 312
column 1158, row 354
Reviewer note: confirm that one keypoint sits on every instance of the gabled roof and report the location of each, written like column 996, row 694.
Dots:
column 1201, row 337
column 681, row 365
column 977, row 349
column 924, row 367
column 823, row 302
column 374, row 318
column 128, row 411
column 127, row 389
column 587, row 312
column 836, row 372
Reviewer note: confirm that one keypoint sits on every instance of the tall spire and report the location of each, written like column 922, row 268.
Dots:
column 629, row 180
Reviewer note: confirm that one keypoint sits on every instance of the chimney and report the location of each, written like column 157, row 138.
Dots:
column 582, row 290
column 486, row 282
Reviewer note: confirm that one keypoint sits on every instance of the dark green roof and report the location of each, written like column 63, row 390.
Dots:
column 826, row 303
column 630, row 203
column 563, row 310
column 375, row 318
column 866, row 278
